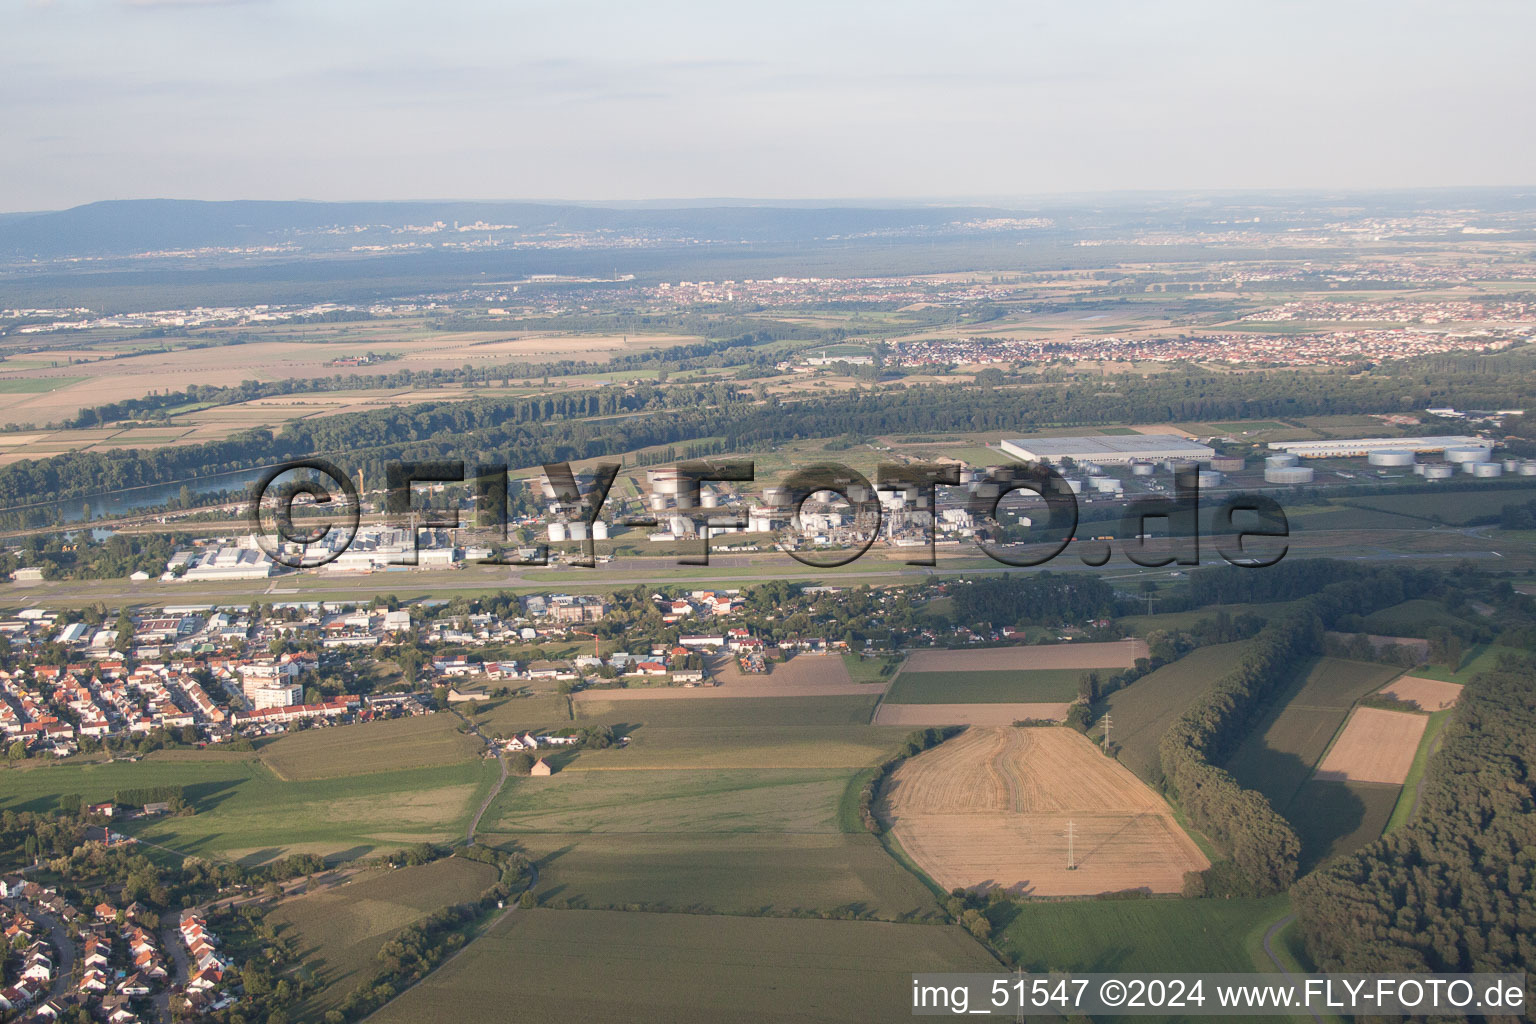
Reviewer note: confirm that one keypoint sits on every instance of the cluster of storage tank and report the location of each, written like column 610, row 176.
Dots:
column 559, row 532
column 1285, row 468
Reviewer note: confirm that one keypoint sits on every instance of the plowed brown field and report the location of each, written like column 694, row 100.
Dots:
column 1375, row 746
column 1114, row 654
column 1429, row 694
column 992, row 807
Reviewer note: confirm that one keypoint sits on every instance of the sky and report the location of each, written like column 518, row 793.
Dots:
column 384, row 99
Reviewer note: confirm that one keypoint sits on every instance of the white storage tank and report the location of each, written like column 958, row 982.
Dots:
column 1106, row 485
column 709, row 499
column 778, row 497
column 658, row 502
column 1487, row 469
column 1468, row 453
column 1281, row 461
column 1142, row 469
column 666, row 480
column 1528, row 468
column 1391, row 458
column 1511, row 465
column 599, row 530
column 1076, row 486
column 1439, row 471
column 1228, row 463
column 1288, row 474
column 556, row 532
column 1418, row 468
column 578, row 531
column 1209, row 478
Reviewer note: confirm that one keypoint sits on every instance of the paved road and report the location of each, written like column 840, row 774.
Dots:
column 1269, row 950
column 64, row 947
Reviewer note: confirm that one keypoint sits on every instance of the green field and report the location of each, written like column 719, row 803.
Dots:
column 686, row 969
column 1455, row 508
column 726, row 712
column 1408, row 799
column 794, row 799
column 423, row 741
column 1412, row 618
column 340, row 931
column 754, row 874
column 1335, row 818
column 1010, row 686
column 1482, row 658
column 1136, row 935
column 505, row 716
column 870, row 670
column 1279, row 754
column 1143, row 711
column 245, row 813
column 35, row 385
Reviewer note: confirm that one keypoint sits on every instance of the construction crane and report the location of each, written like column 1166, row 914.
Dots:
column 596, row 650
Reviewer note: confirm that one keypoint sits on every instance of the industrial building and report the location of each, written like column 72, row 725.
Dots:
column 1359, row 448
column 1109, row 449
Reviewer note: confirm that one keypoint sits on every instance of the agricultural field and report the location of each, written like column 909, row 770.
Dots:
column 1335, row 818
column 1413, row 618
column 1375, row 746
column 1481, row 658
column 1279, row 754
column 676, row 714
column 1017, row 686
column 992, row 807
column 1450, row 507
column 109, row 373
column 245, row 813
column 1160, row 935
column 923, row 715
column 423, row 741
column 687, row 969
column 1143, row 711
column 339, row 931
column 766, row 799
column 1114, row 654
column 506, row 716
column 777, row 874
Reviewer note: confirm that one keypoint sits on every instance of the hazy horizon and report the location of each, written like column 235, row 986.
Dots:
column 212, row 99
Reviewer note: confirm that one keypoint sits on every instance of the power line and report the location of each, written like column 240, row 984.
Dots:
column 1106, row 732
column 1071, row 835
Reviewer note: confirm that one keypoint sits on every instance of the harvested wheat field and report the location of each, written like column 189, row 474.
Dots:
column 968, row 714
column 1428, row 694
column 1115, row 654
column 1375, row 746
column 991, row 808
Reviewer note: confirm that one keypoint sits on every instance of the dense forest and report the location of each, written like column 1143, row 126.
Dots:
column 1265, row 848
column 617, row 419
column 1455, row 890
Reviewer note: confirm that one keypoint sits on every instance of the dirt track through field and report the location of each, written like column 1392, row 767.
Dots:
column 1428, row 694
column 991, row 808
column 1115, row 654
column 1375, row 746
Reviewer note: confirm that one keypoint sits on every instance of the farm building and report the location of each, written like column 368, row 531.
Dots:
column 541, row 767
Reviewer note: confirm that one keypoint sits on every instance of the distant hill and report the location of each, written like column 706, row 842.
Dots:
column 140, row 225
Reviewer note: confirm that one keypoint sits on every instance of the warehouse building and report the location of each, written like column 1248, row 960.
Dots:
column 1359, row 448
column 1109, row 449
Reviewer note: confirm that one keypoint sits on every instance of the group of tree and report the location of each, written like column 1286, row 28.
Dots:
column 1455, row 889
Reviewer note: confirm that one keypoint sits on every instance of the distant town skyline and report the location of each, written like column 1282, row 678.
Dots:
column 276, row 99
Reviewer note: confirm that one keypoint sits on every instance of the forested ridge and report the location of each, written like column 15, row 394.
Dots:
column 1455, row 889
